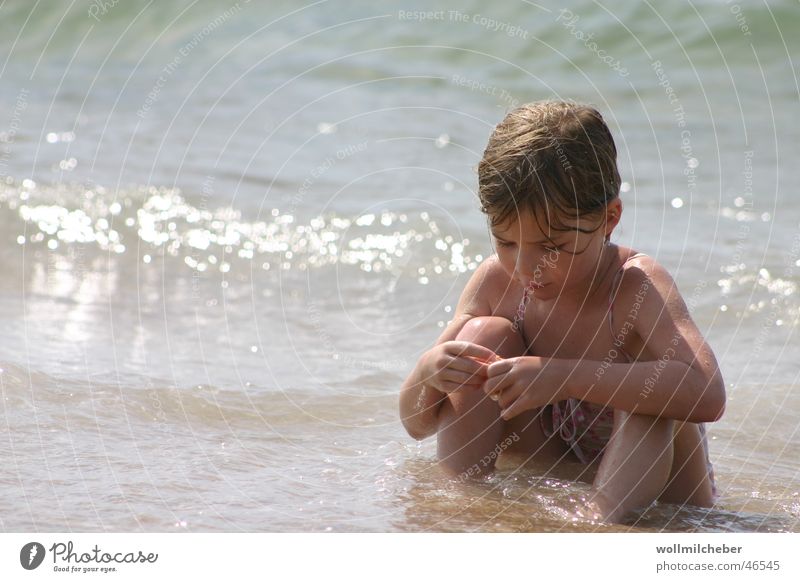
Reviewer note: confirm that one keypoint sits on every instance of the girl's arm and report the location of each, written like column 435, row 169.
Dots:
column 682, row 381
column 419, row 406
column 419, row 401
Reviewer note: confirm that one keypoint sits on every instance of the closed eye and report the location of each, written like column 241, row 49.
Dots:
column 505, row 244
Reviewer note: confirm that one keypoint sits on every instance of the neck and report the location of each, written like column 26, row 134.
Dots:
column 607, row 261
column 575, row 298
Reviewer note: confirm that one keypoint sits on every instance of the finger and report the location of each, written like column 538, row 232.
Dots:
column 463, row 377
column 511, row 410
column 483, row 361
column 494, row 386
column 501, row 367
column 470, row 349
column 498, row 384
column 468, row 365
column 509, row 396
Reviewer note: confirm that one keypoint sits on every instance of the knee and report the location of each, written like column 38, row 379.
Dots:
column 644, row 426
column 494, row 333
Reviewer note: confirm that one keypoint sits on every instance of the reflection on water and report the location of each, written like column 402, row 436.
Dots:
column 150, row 222
column 521, row 500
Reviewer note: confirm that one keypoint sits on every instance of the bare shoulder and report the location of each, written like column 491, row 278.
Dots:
column 649, row 297
column 641, row 272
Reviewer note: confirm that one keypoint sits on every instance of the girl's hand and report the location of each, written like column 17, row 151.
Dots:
column 450, row 365
column 525, row 383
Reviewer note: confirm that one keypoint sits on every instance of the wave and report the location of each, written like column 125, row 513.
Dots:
column 34, row 398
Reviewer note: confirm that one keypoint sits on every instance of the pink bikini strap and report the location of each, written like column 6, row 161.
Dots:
column 565, row 423
column 615, row 288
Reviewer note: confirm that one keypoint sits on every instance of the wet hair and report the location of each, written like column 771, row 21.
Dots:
column 556, row 159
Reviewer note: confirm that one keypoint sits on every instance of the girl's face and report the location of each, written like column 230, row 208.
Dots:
column 568, row 264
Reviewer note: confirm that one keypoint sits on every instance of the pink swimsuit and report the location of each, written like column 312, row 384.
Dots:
column 586, row 427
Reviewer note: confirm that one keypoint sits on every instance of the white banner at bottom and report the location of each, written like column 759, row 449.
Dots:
column 657, row 556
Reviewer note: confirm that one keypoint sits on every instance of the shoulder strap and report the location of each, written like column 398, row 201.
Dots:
column 617, row 276
column 615, row 287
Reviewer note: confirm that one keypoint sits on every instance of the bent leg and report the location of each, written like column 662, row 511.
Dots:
column 470, row 427
column 636, row 464
column 690, row 481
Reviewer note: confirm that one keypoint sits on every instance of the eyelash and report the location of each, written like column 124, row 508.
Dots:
column 505, row 244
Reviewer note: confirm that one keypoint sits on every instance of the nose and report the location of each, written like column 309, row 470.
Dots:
column 531, row 266
column 523, row 274
column 525, row 268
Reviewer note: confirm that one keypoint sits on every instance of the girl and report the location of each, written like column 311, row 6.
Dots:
column 564, row 341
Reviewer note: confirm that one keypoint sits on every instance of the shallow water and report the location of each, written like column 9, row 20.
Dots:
column 213, row 291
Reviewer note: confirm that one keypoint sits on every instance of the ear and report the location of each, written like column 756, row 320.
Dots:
column 613, row 216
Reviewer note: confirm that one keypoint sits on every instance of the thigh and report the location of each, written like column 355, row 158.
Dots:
column 689, row 481
column 529, row 441
column 636, row 464
column 470, row 428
